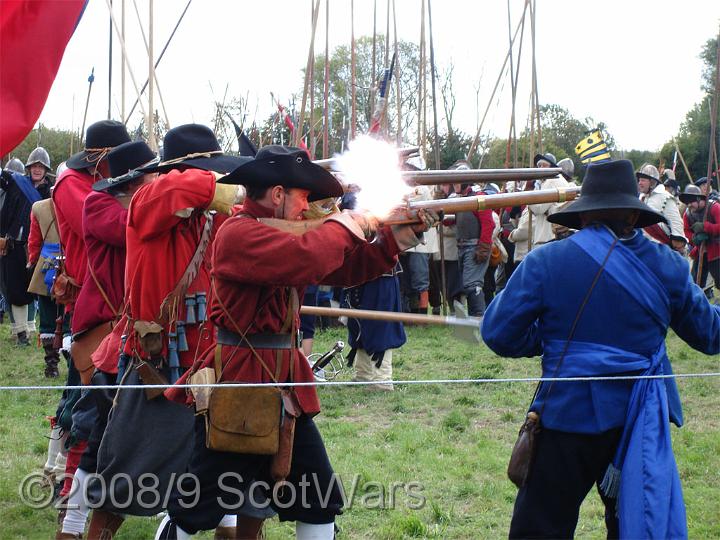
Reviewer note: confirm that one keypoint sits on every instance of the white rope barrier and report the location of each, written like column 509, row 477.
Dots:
column 365, row 383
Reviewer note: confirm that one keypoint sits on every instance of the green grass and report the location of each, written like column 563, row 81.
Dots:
column 452, row 440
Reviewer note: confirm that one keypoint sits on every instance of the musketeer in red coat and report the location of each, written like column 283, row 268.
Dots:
column 259, row 271
column 99, row 307
column 75, row 184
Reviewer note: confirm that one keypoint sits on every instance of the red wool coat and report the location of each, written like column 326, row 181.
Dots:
column 254, row 264
column 71, row 189
column 161, row 240
column 104, row 220
column 712, row 228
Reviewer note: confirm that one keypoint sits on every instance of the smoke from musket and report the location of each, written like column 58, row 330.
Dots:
column 372, row 164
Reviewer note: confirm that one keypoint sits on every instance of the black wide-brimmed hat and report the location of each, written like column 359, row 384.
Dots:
column 545, row 157
column 610, row 185
column 194, row 145
column 100, row 138
column 124, row 161
column 289, row 167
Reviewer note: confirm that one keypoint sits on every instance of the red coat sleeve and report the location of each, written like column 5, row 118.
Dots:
column 713, row 229
column 686, row 228
column 69, row 195
column 487, row 224
column 159, row 206
column 253, row 253
column 105, row 218
column 35, row 240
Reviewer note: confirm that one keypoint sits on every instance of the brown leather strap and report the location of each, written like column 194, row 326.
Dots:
column 115, row 312
column 169, row 306
column 218, row 363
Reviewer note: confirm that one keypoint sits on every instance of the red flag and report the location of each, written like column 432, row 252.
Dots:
column 33, row 37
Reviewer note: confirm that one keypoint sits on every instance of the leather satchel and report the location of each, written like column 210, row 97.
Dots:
column 523, row 452
column 4, row 245
column 65, row 289
column 244, row 420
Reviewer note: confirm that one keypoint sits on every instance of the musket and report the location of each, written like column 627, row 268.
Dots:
column 466, row 328
column 471, row 176
column 487, row 202
column 447, row 206
column 403, row 154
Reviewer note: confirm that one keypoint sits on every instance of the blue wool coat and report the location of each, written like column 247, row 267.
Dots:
column 539, row 305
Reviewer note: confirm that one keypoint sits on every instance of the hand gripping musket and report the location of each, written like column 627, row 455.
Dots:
column 466, row 328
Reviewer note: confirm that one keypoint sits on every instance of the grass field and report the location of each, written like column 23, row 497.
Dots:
column 453, row 440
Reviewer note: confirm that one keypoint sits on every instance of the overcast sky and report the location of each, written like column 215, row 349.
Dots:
column 632, row 64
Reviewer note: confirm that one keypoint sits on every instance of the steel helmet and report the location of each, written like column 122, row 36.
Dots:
column 39, row 155
column 691, row 193
column 15, row 165
column 648, row 171
column 568, row 167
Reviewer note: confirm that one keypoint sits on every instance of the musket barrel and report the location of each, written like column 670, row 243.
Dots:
column 433, row 178
column 485, row 202
column 369, row 314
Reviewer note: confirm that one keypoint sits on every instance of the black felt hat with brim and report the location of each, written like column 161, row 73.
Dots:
column 289, row 167
column 194, row 145
column 610, row 185
column 100, row 138
column 124, row 162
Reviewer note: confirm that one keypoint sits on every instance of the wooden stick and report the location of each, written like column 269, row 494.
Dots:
column 373, row 72
column 398, row 97
column 311, row 142
column 122, row 44
column 353, row 82
column 375, row 315
column 122, row 63
column 533, row 10
column 422, row 79
column 708, row 184
column 326, row 108
column 682, row 160
column 476, row 140
column 311, row 55
column 433, row 75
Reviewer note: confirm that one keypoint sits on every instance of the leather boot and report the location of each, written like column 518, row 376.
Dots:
column 22, row 339
column 103, row 525
column 52, row 358
column 249, row 528
column 476, row 303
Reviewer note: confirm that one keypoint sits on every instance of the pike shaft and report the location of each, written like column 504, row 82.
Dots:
column 370, row 314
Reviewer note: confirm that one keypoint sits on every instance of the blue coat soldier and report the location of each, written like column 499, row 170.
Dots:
column 599, row 303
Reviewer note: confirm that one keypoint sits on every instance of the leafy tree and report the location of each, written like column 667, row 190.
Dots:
column 694, row 133
column 55, row 141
